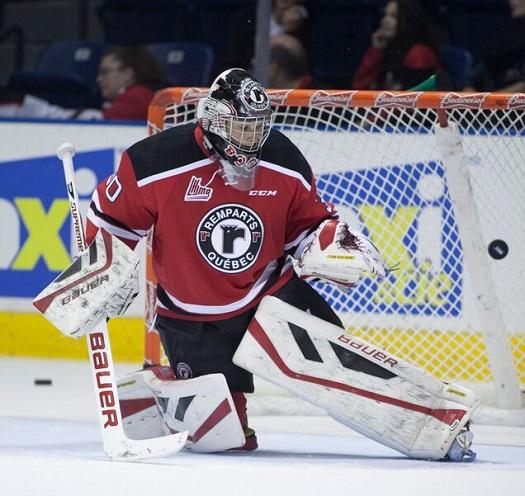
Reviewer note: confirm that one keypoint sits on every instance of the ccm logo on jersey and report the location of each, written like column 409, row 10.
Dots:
column 262, row 192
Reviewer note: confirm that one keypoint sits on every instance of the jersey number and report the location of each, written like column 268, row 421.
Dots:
column 113, row 188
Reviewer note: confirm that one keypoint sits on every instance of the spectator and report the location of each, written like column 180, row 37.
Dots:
column 288, row 65
column 503, row 67
column 288, row 17
column 128, row 78
column 402, row 53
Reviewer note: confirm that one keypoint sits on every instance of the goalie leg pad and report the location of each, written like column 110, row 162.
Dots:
column 358, row 384
column 154, row 403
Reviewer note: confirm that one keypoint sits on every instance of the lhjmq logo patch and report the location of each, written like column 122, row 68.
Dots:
column 230, row 237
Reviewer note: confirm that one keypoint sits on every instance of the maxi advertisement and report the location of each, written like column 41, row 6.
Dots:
column 34, row 211
column 407, row 211
column 36, row 220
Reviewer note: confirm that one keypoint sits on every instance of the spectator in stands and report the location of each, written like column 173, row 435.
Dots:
column 288, row 65
column 128, row 78
column 288, row 17
column 503, row 67
column 402, row 53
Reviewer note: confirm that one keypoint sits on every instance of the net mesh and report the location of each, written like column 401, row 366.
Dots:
column 383, row 170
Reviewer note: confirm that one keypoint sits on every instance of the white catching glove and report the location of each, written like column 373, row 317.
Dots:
column 339, row 256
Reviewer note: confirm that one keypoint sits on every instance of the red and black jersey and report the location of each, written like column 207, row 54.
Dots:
column 216, row 250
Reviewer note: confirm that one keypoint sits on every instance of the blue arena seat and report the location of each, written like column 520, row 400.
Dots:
column 65, row 73
column 185, row 63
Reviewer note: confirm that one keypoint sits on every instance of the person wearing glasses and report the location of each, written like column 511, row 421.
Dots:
column 128, row 77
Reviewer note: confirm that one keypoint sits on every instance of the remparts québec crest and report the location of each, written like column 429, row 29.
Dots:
column 229, row 237
column 254, row 95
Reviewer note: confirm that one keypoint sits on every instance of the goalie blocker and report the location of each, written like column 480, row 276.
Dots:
column 358, row 384
column 103, row 280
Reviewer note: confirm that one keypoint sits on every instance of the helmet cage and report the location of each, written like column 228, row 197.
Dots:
column 247, row 134
column 236, row 117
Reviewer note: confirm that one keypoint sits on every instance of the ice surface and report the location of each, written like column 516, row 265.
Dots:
column 50, row 445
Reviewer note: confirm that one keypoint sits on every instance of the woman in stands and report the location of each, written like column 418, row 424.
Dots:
column 402, row 53
column 128, row 78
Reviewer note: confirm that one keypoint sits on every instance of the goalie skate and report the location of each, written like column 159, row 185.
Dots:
column 460, row 448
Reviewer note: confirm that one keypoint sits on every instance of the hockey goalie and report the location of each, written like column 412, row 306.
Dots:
column 360, row 385
column 232, row 201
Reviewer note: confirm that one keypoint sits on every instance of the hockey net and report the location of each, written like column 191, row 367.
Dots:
column 437, row 180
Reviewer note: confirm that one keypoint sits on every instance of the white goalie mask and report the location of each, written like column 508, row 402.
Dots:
column 236, row 118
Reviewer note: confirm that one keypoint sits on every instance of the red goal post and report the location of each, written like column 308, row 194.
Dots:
column 437, row 180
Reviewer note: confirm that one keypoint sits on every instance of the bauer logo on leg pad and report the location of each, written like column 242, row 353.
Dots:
column 358, row 384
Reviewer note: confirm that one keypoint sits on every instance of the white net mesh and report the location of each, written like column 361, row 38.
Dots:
column 383, row 169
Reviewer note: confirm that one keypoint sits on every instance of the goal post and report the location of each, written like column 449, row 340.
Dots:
column 437, row 180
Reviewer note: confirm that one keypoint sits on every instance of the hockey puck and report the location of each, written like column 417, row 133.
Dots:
column 498, row 249
column 43, row 382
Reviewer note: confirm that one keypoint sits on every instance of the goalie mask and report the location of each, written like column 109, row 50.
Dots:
column 236, row 119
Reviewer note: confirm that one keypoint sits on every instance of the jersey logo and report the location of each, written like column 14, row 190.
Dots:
column 254, row 95
column 230, row 237
column 262, row 192
column 196, row 191
column 183, row 371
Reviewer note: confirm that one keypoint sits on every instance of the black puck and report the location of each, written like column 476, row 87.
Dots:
column 498, row 249
column 43, row 382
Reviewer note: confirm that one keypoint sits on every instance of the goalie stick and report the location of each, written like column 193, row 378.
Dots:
column 116, row 444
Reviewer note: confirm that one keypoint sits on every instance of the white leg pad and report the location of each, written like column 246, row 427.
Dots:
column 358, row 384
column 154, row 403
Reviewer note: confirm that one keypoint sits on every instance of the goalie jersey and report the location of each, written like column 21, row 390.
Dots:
column 216, row 250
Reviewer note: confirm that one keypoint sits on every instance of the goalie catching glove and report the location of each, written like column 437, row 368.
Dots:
column 102, row 281
column 340, row 256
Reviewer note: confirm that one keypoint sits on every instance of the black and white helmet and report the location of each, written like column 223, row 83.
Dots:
column 236, row 117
